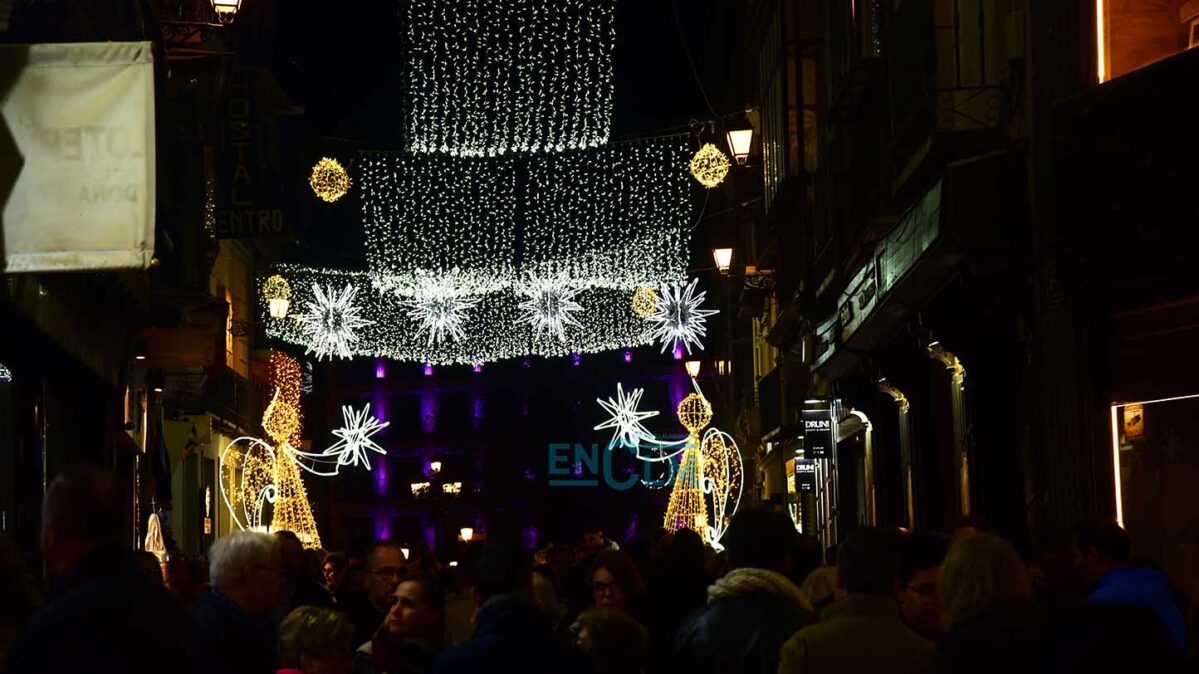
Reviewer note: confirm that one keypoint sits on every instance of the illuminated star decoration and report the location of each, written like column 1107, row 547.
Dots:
column 355, row 437
column 441, row 315
column 679, row 318
column 331, row 321
column 549, row 309
column 625, row 419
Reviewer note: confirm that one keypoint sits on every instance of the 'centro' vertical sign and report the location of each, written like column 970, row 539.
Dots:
column 817, row 434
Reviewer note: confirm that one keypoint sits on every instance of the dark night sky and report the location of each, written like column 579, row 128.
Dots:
column 341, row 65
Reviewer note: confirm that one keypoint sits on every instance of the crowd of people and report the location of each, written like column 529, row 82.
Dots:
column 772, row 600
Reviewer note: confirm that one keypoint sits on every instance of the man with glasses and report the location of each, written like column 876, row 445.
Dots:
column 920, row 557
column 385, row 565
column 233, row 617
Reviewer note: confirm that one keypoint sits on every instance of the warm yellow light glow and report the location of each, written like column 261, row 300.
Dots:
column 687, row 508
column 277, row 292
column 226, row 7
column 452, row 488
column 740, row 142
column 709, row 166
column 419, row 488
column 292, row 511
column 329, row 180
column 1115, row 428
column 645, row 302
column 435, row 466
column 1101, row 40
column 695, row 412
column 281, row 420
column 692, row 368
column 724, row 259
column 466, row 533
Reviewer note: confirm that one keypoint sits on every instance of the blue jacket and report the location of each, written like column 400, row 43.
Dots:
column 1148, row 589
column 511, row 635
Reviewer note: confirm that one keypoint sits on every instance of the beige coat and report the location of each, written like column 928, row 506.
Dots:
column 860, row 634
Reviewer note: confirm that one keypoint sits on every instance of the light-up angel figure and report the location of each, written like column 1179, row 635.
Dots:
column 256, row 474
column 709, row 479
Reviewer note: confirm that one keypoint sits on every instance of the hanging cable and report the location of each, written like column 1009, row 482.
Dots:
column 691, row 62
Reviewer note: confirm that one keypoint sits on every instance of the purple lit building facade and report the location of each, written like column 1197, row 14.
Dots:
column 488, row 429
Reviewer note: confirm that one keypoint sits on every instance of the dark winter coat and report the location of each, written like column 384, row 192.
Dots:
column 511, row 635
column 739, row 634
column 1007, row 638
column 105, row 615
column 231, row 640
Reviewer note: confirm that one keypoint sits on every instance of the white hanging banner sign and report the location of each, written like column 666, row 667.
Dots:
column 77, row 156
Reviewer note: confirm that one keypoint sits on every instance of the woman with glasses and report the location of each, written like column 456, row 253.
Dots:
column 615, row 583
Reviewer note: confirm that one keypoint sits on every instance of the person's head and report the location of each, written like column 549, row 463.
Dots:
column 291, row 551
column 316, row 641
column 978, row 573
column 500, row 569
column 334, row 570
column 83, row 509
column 920, row 557
column 1100, row 547
column 385, row 565
column 545, row 595
column 867, row 562
column 419, row 609
column 149, row 565
column 967, row 526
column 615, row 582
column 759, row 538
column 803, row 557
column 593, row 539
column 612, row 640
column 685, row 550
column 246, row 567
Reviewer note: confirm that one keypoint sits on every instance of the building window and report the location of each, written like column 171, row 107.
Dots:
column 1131, row 34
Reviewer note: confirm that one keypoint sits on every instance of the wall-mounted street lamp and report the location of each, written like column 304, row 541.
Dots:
column 723, row 258
column 435, row 466
column 226, row 10
column 466, row 533
column 741, row 139
column 692, row 368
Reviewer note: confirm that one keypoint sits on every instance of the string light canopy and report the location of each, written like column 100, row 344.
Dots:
column 329, row 180
column 512, row 76
column 611, row 217
column 490, row 330
column 709, row 166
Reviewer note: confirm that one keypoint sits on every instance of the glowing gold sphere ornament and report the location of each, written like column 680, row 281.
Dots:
column 695, row 413
column 709, row 166
column 645, row 302
column 329, row 179
column 277, row 293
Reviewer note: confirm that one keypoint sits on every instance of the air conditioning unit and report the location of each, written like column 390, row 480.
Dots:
column 1189, row 14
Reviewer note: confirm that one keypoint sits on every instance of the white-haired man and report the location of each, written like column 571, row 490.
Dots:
column 233, row 617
